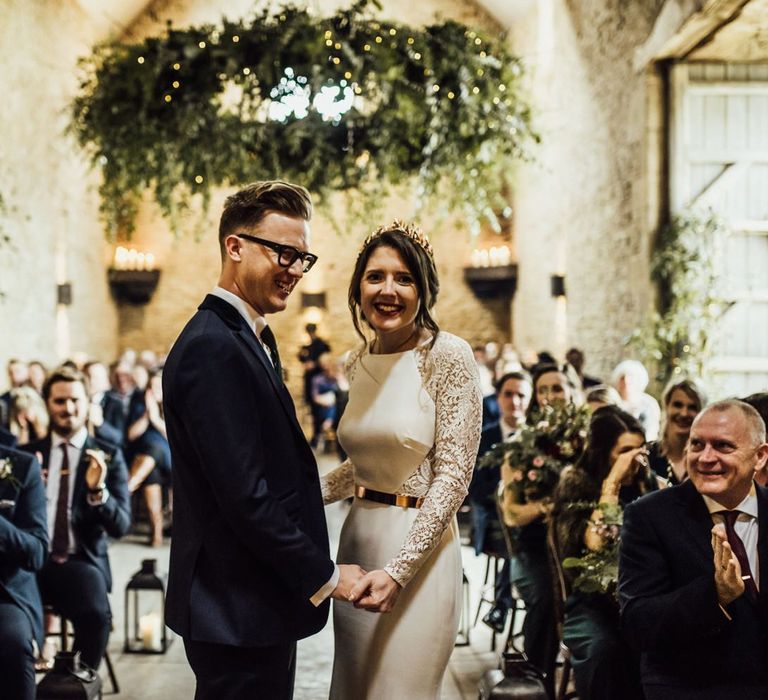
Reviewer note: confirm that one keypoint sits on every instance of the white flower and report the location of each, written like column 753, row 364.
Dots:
column 5, row 468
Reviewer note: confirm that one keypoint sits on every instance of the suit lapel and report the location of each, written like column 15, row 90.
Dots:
column 230, row 315
column 698, row 521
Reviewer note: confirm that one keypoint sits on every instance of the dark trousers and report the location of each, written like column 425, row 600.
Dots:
column 225, row 672
column 604, row 666
column 77, row 590
column 531, row 575
column 503, row 589
column 17, row 656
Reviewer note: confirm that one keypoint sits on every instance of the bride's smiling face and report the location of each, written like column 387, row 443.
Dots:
column 389, row 298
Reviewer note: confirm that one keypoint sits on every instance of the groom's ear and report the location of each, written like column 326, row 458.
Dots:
column 233, row 247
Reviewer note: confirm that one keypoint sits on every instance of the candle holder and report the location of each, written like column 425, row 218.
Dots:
column 492, row 282
column 145, row 631
column 133, row 286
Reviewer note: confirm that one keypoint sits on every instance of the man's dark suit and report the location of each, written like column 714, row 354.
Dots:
column 23, row 546
column 250, row 545
column 669, row 602
column 78, row 588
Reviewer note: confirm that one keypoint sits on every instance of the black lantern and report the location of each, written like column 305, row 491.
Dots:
column 68, row 679
column 145, row 631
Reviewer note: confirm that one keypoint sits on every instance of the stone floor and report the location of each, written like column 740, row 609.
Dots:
column 168, row 677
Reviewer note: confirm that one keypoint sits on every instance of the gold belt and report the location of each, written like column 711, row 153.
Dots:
column 389, row 499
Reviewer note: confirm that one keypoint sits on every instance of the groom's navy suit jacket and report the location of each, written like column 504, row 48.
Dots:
column 250, row 544
column 669, row 604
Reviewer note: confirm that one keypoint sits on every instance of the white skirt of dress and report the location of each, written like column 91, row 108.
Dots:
column 404, row 653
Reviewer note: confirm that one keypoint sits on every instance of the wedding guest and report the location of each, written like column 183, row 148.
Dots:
column 23, row 546
column 37, row 375
column 630, row 379
column 18, row 375
column 682, row 399
column 530, row 570
column 87, row 497
column 324, row 387
column 105, row 416
column 576, row 359
column 29, row 418
column 692, row 568
column 148, row 451
column 513, row 392
column 601, row 395
column 612, row 471
column 411, row 430
column 309, row 355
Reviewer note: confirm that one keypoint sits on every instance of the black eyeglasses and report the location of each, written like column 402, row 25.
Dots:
column 286, row 254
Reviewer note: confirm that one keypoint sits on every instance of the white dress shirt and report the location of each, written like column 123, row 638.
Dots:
column 746, row 527
column 256, row 322
column 506, row 431
column 74, row 448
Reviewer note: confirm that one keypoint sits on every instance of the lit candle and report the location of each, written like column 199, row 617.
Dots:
column 150, row 628
column 493, row 256
column 141, row 263
column 150, row 260
column 504, row 255
column 121, row 257
column 484, row 258
column 475, row 258
column 133, row 255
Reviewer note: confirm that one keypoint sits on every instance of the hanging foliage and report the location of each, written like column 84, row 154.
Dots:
column 340, row 103
column 678, row 338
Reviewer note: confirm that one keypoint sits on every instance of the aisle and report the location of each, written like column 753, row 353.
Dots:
column 168, row 677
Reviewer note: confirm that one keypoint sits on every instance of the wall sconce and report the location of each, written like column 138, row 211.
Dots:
column 133, row 276
column 557, row 285
column 316, row 299
column 64, row 294
column 492, row 274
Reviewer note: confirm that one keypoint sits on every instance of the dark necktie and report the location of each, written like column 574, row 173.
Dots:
column 268, row 338
column 737, row 546
column 60, row 543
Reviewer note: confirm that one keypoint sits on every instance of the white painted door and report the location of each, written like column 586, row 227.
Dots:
column 720, row 160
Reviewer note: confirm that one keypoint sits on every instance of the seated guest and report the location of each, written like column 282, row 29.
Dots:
column 29, row 417
column 148, row 451
column 513, row 392
column 613, row 470
column 87, row 500
column 7, row 438
column 601, row 395
column 574, row 361
column 18, row 375
column 37, row 375
column 694, row 566
column 106, row 417
column 23, row 547
column 323, row 391
column 682, row 399
column 630, row 379
column 759, row 402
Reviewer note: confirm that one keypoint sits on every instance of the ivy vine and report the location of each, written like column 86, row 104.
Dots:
column 341, row 103
column 678, row 337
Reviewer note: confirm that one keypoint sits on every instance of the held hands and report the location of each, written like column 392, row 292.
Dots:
column 349, row 575
column 728, row 581
column 624, row 469
column 377, row 591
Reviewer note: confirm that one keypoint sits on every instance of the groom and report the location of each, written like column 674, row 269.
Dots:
column 250, row 571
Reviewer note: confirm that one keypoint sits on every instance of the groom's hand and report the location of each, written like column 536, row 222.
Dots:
column 377, row 591
column 349, row 575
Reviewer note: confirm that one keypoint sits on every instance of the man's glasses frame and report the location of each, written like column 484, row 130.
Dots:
column 287, row 255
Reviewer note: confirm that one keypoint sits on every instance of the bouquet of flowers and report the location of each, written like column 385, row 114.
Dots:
column 599, row 571
column 538, row 452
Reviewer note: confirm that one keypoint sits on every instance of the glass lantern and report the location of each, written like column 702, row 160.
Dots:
column 145, row 631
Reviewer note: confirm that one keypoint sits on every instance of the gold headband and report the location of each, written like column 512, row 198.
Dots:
column 410, row 230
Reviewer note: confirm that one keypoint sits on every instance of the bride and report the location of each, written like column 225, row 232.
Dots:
column 411, row 430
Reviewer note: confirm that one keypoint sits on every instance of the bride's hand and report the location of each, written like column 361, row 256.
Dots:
column 377, row 591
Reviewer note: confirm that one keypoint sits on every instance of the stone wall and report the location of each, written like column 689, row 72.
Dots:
column 50, row 209
column 584, row 206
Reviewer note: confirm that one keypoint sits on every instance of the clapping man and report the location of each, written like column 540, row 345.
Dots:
column 87, row 501
column 694, row 567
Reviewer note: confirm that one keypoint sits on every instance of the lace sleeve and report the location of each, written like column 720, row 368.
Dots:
column 458, row 404
column 338, row 484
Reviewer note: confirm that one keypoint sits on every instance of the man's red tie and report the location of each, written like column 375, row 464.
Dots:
column 737, row 546
column 60, row 543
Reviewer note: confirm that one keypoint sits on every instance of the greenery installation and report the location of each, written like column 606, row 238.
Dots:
column 678, row 338
column 341, row 103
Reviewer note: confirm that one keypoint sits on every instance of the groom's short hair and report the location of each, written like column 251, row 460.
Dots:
column 246, row 208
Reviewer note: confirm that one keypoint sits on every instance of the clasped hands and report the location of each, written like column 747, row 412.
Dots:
column 375, row 591
column 728, row 581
